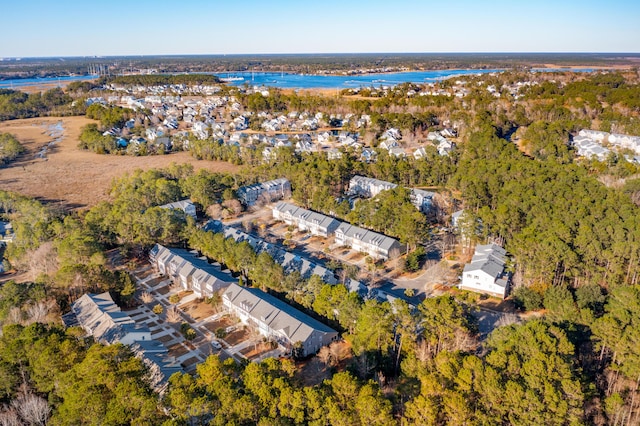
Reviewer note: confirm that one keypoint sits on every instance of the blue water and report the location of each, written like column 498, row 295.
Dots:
column 309, row 81
column 17, row 83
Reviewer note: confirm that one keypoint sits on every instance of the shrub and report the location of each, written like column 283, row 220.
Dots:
column 527, row 299
column 158, row 309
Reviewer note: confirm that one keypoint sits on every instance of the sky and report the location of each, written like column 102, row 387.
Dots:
column 141, row 27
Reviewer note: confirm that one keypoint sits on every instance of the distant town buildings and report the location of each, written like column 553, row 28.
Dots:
column 6, row 232
column 486, row 272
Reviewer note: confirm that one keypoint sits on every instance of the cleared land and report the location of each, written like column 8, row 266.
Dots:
column 74, row 178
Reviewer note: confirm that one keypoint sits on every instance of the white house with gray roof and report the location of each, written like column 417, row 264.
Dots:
column 186, row 206
column 486, row 272
column 276, row 319
column 101, row 318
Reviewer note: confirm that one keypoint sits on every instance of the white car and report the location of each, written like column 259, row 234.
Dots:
column 216, row 344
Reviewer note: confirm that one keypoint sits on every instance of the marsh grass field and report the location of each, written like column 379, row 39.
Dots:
column 68, row 176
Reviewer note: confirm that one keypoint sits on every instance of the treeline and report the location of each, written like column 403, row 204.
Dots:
column 277, row 101
column 442, row 381
column 53, row 376
column 109, row 116
column 92, row 139
column 10, row 148
column 15, row 104
column 164, row 79
column 561, row 224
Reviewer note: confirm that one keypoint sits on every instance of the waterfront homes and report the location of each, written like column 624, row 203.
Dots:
column 189, row 270
column 186, row 206
column 269, row 191
column 486, row 272
column 376, row 245
column 305, row 220
column 101, row 318
column 277, row 320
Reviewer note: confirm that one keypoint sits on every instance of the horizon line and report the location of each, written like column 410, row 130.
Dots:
column 96, row 56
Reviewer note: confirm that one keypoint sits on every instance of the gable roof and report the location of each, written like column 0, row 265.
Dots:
column 101, row 317
column 277, row 315
column 491, row 260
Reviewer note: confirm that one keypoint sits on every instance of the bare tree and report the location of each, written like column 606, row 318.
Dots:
column 14, row 316
column 33, row 409
column 39, row 311
column 233, row 206
column 9, row 417
column 214, row 211
column 247, row 225
column 173, row 314
column 394, row 258
column 325, row 356
column 43, row 260
column 146, row 297
column 339, row 351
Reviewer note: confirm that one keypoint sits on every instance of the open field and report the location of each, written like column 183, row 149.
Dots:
column 74, row 178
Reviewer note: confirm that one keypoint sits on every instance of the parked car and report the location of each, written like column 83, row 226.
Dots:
column 216, row 344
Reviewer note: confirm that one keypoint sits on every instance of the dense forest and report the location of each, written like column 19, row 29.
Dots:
column 15, row 104
column 574, row 241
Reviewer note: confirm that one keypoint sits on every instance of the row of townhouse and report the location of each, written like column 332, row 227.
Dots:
column 101, row 318
column 277, row 320
column 290, row 262
column 269, row 191
column 189, row 270
column 305, row 220
column 367, row 187
column 376, row 245
column 589, row 143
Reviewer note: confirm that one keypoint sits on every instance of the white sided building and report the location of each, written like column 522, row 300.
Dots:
column 487, row 273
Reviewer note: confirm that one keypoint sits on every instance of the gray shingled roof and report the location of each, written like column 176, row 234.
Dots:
column 491, row 260
column 277, row 315
column 287, row 260
column 366, row 236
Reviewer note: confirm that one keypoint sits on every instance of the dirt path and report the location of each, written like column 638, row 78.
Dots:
column 71, row 177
